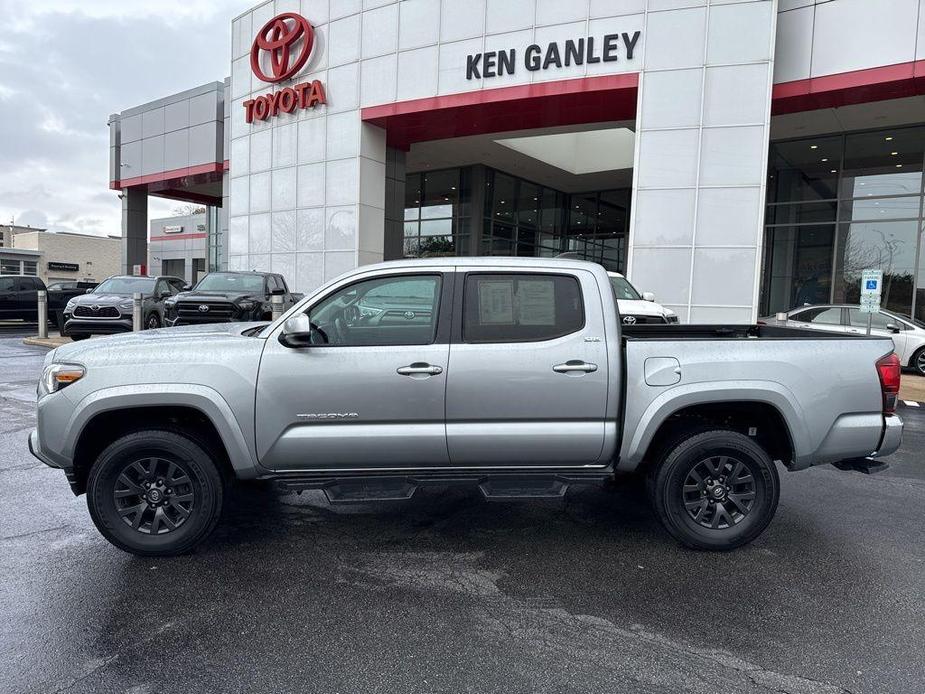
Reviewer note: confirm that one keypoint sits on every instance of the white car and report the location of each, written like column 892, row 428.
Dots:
column 908, row 333
column 636, row 308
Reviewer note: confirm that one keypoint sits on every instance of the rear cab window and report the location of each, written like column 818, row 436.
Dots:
column 521, row 307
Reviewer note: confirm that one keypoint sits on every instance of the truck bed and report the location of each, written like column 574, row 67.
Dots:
column 677, row 331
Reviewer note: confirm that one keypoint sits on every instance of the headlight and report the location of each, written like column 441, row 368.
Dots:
column 170, row 302
column 57, row 376
column 246, row 305
column 69, row 306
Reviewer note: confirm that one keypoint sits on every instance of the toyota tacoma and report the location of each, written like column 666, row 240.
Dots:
column 514, row 375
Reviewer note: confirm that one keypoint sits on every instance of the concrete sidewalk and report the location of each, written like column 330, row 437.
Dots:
column 53, row 340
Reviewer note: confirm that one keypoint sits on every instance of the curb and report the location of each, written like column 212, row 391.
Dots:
column 49, row 342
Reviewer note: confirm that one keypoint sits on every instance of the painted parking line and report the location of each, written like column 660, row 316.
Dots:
column 910, row 403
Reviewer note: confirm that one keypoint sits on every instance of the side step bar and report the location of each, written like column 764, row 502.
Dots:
column 397, row 487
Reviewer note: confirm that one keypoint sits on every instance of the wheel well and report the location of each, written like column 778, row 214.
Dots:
column 770, row 429
column 106, row 427
column 915, row 354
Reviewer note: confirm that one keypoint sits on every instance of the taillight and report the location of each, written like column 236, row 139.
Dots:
column 888, row 369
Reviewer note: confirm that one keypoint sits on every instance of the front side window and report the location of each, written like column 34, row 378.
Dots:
column 384, row 311
column 521, row 308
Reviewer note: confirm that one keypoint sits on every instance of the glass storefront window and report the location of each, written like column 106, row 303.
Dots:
column 434, row 224
column 804, row 170
column 878, row 213
column 889, row 246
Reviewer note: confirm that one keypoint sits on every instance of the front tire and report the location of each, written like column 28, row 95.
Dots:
column 79, row 336
column 153, row 322
column 155, row 493
column 715, row 490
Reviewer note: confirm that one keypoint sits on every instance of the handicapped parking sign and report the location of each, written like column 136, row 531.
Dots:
column 871, row 286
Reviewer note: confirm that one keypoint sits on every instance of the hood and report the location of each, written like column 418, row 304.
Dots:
column 216, row 295
column 168, row 344
column 103, row 299
column 640, row 308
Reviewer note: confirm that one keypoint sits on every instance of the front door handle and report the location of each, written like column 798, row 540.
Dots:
column 574, row 365
column 419, row 368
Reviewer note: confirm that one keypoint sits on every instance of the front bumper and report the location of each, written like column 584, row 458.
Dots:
column 36, row 450
column 98, row 326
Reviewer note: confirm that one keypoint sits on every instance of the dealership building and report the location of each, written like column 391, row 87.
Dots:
column 736, row 158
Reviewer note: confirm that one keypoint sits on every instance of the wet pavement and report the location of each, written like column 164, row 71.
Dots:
column 449, row 593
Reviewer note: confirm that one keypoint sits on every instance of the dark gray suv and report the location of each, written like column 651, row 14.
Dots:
column 107, row 309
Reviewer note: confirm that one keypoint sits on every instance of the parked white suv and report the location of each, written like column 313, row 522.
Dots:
column 636, row 308
column 908, row 334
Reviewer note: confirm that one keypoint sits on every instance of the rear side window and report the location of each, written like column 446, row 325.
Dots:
column 521, row 307
column 821, row 316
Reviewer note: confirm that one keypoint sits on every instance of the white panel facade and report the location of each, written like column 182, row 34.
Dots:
column 702, row 154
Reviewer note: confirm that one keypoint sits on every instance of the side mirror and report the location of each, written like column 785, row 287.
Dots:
column 90, row 290
column 277, row 291
column 187, row 287
column 648, row 296
column 164, row 294
column 893, row 328
column 297, row 332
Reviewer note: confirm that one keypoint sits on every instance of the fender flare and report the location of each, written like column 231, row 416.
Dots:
column 634, row 447
column 206, row 400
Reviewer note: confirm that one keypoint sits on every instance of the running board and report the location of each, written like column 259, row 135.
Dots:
column 393, row 487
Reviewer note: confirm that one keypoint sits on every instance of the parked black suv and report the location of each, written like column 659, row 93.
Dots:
column 19, row 297
column 224, row 297
column 108, row 308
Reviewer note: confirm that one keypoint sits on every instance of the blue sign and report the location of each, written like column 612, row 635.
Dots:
column 871, row 284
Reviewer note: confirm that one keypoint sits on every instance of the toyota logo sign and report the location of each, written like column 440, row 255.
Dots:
column 629, row 320
column 203, row 308
column 278, row 37
column 283, row 45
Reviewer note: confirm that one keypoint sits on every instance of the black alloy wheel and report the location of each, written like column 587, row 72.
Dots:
column 155, row 492
column 154, row 495
column 153, row 322
column 719, row 492
column 714, row 489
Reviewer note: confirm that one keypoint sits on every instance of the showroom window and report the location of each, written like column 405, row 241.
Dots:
column 839, row 205
column 436, row 214
column 523, row 218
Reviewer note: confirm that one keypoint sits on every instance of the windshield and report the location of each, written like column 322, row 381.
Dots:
column 622, row 289
column 126, row 285
column 230, row 282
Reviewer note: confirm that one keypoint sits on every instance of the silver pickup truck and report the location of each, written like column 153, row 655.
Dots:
column 512, row 374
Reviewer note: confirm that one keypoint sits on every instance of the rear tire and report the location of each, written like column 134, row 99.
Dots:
column 918, row 362
column 79, row 336
column 714, row 489
column 155, row 493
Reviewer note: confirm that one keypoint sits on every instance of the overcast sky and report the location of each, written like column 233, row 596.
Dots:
column 65, row 65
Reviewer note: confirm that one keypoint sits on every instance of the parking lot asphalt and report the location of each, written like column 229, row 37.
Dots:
column 449, row 593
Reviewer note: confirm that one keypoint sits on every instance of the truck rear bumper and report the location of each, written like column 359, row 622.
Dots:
column 892, row 436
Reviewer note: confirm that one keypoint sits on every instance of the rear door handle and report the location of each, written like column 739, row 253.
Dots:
column 419, row 368
column 574, row 365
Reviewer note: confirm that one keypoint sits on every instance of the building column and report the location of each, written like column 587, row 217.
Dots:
column 134, row 228
column 701, row 157
column 394, row 244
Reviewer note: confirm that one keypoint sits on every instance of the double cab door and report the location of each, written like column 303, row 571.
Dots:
column 442, row 366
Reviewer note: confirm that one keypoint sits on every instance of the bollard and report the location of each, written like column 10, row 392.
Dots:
column 43, row 314
column 136, row 311
column 276, row 305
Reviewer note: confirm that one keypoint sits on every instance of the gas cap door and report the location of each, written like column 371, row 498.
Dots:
column 662, row 371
